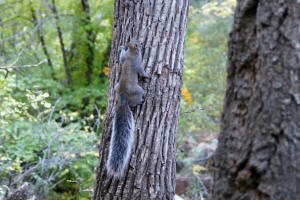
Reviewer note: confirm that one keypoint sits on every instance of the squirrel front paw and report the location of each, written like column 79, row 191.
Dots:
column 146, row 75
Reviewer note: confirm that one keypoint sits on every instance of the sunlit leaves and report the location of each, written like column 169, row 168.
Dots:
column 205, row 64
column 187, row 96
column 197, row 169
column 219, row 8
column 28, row 120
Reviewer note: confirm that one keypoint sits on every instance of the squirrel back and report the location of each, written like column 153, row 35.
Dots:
column 121, row 139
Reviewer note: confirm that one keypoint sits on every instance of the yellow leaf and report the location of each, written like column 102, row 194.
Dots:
column 197, row 169
column 187, row 96
column 105, row 70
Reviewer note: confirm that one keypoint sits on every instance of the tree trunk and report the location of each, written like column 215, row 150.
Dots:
column 42, row 40
column 160, row 26
column 61, row 41
column 90, row 40
column 258, row 153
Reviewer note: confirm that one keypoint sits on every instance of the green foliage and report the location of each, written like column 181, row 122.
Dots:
column 204, row 87
column 35, row 148
column 47, row 125
column 86, row 36
column 205, row 64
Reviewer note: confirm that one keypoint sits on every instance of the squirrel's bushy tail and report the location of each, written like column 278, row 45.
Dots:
column 121, row 139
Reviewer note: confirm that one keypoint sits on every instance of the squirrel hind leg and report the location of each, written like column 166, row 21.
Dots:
column 136, row 98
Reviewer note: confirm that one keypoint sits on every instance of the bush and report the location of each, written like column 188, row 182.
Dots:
column 35, row 148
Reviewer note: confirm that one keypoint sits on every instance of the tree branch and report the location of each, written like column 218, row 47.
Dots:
column 12, row 66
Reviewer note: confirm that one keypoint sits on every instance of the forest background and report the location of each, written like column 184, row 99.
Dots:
column 54, row 58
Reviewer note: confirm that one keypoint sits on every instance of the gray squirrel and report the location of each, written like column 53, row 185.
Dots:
column 129, row 94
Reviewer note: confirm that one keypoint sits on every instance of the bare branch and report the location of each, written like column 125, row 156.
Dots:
column 12, row 66
column 52, row 111
column 34, row 29
column 26, row 173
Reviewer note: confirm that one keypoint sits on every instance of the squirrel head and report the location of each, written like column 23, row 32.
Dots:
column 134, row 45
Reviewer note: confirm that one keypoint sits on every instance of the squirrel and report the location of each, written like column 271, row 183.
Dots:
column 129, row 94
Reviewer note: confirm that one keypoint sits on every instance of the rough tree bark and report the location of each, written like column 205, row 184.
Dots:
column 160, row 26
column 258, row 156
